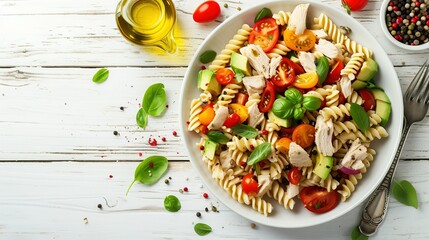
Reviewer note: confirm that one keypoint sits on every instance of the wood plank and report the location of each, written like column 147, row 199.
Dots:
column 63, row 194
column 60, row 114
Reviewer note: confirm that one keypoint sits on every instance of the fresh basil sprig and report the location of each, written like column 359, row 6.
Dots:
column 150, row 170
column 357, row 235
column 245, row 131
column 207, row 56
column 101, row 75
column 261, row 152
column 360, row 116
column 293, row 95
column 154, row 104
column 311, row 103
column 405, row 193
column 217, row 136
column 172, row 203
column 293, row 104
column 202, row 229
column 263, row 13
column 283, row 108
column 322, row 69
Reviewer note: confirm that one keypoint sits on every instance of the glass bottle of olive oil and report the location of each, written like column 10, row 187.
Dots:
column 148, row 22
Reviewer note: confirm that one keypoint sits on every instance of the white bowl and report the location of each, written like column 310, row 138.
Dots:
column 386, row 148
column 386, row 32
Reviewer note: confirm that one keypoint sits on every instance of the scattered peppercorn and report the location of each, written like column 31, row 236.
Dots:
column 122, row 108
column 203, row 67
column 174, row 133
column 198, row 214
column 169, row 178
column 206, row 209
column 180, row 190
column 100, row 206
column 152, row 142
column 214, row 209
column 205, row 195
column 110, row 176
column 140, row 154
column 239, row 8
column 115, row 133
column 201, row 147
column 163, row 139
column 166, row 181
column 225, row 5
column 151, row 164
column 185, row 189
column 253, row 225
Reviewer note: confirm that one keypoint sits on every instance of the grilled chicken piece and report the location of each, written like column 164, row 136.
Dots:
column 291, row 191
column 298, row 157
column 274, row 63
column 346, row 86
column 264, row 184
column 320, row 33
column 307, row 61
column 257, row 59
column 226, row 160
column 323, row 136
column 255, row 116
column 254, row 84
column 298, row 19
column 221, row 113
column 355, row 155
column 328, row 49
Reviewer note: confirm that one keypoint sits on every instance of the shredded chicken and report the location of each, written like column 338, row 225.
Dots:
column 254, row 84
column 264, row 184
column 257, row 59
column 298, row 19
column 355, row 155
column 298, row 156
column 274, row 63
column 221, row 113
column 328, row 49
column 346, row 86
column 323, row 137
column 307, row 61
column 226, row 160
column 255, row 116
column 320, row 33
column 291, row 191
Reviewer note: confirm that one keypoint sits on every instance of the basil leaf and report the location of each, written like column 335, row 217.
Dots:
column 282, row 108
column 263, row 13
column 101, row 75
column 207, row 56
column 261, row 152
column 311, row 103
column 154, row 100
column 217, row 136
column 357, row 235
column 291, row 54
column 405, row 193
column 322, row 69
column 202, row 229
column 360, row 116
column 150, row 170
column 294, row 95
column 141, row 118
column 298, row 113
column 172, row 203
column 245, row 131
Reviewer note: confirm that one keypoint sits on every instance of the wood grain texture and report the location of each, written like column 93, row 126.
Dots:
column 52, row 202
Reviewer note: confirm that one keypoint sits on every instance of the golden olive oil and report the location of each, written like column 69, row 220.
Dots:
column 148, row 22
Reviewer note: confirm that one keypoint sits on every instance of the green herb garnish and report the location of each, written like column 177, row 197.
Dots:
column 101, row 75
column 141, row 118
column 202, row 229
column 405, row 193
column 360, row 116
column 322, row 69
column 245, row 131
column 207, row 56
column 261, row 152
column 150, row 170
column 311, row 103
column 217, row 136
column 153, row 104
column 172, row 203
column 357, row 235
column 263, row 13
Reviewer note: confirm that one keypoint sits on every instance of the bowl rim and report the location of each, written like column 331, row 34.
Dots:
column 383, row 25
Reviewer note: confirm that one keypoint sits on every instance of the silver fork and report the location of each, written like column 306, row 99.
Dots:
column 416, row 102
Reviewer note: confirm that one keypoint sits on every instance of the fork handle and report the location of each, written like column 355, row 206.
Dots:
column 375, row 208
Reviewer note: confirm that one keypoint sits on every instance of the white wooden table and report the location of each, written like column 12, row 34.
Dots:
column 58, row 150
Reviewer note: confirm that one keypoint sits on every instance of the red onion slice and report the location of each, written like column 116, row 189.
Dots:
column 347, row 170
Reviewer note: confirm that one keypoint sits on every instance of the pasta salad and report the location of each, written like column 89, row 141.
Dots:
column 289, row 112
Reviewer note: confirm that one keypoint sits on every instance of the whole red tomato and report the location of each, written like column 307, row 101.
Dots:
column 354, row 5
column 206, row 12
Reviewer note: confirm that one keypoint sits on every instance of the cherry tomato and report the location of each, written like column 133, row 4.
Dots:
column 354, row 5
column 241, row 98
column 265, row 33
column 368, row 99
column 306, row 80
column 224, row 76
column 207, row 115
column 206, row 12
column 294, row 175
column 304, row 135
column 303, row 42
column 203, row 129
column 250, row 184
column 232, row 120
column 283, row 145
column 241, row 110
column 335, row 74
column 318, row 199
column 285, row 74
column 267, row 98
column 341, row 98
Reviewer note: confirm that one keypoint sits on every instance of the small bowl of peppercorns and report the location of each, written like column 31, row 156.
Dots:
column 406, row 23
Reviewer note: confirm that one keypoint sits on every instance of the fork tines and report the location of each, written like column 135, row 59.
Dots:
column 419, row 87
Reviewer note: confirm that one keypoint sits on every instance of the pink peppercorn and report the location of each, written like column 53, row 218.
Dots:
column 163, row 139
column 110, row 176
column 394, row 25
column 205, row 195
column 174, row 133
column 185, row 189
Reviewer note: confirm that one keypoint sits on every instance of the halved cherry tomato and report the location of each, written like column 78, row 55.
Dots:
column 303, row 42
column 304, row 135
column 232, row 120
column 241, row 98
column 265, row 33
column 206, row 12
column 250, row 184
column 306, row 80
column 335, row 74
column 341, row 98
column 354, row 5
column 285, row 74
column 241, row 110
column 294, row 175
column 296, row 67
column 283, row 145
column 207, row 115
column 224, row 76
column 318, row 199
column 368, row 99
column 267, row 98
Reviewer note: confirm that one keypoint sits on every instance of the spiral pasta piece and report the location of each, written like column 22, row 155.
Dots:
column 333, row 97
column 276, row 170
column 228, row 93
column 236, row 192
column 351, row 126
column 243, row 144
column 254, row 98
column 353, row 66
column 239, row 156
column 282, row 18
column 330, row 28
column 205, row 96
column 194, row 121
column 237, row 41
column 335, row 112
column 279, row 193
column 377, row 132
column 262, row 206
column 279, row 50
column 355, row 98
column 354, row 47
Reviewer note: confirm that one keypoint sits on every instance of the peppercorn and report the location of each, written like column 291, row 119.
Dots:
column 115, row 133
column 100, row 206
column 198, row 214
column 206, row 209
column 166, row 181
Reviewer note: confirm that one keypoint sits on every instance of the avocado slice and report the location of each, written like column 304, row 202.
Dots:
column 239, row 63
column 383, row 110
column 207, row 81
column 287, row 122
column 379, row 94
column 210, row 149
column 368, row 70
column 323, row 165
column 358, row 84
